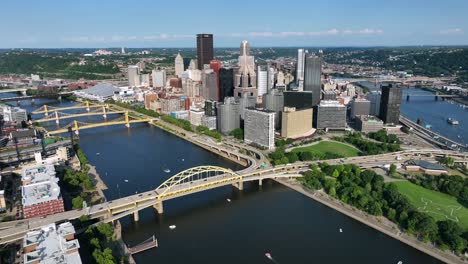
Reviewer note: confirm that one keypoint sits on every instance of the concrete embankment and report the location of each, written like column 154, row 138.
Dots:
column 379, row 223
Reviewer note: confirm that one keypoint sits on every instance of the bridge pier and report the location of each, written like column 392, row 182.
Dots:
column 136, row 216
column 159, row 207
column 260, row 182
column 57, row 120
column 239, row 185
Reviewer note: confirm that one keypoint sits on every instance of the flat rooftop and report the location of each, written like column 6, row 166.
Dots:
column 51, row 245
column 369, row 118
column 39, row 173
column 40, row 192
column 426, row 165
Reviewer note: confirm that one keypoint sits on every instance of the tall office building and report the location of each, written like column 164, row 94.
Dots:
column 209, row 85
column 205, row 51
column 298, row 100
column 133, row 75
column 193, row 65
column 159, row 78
column 262, row 79
column 313, row 76
column 228, row 115
column 179, row 64
column 226, row 83
column 274, row 101
column 330, row 115
column 301, row 53
column 374, row 97
column 360, row 107
column 390, row 104
column 245, row 80
column 259, row 127
column 216, row 65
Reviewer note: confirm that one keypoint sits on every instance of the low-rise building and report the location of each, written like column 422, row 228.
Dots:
column 99, row 92
column 196, row 116
column 38, row 173
column 425, row 167
column 296, row 123
column 13, row 114
column 51, row 245
column 42, row 198
column 368, row 123
column 209, row 122
column 181, row 114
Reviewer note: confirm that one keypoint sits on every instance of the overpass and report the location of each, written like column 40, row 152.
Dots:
column 41, row 95
column 432, row 136
column 204, row 178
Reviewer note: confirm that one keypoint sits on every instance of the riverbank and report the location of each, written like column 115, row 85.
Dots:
column 378, row 223
column 98, row 183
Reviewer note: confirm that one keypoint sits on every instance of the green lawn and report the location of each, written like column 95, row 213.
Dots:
column 439, row 205
column 330, row 146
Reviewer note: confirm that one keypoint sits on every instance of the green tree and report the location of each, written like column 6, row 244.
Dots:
column 107, row 231
column 237, row 133
column 292, row 157
column 305, row 156
column 77, row 202
column 103, row 257
column 335, row 173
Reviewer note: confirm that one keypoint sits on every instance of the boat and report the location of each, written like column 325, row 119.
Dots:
column 268, row 255
column 183, row 159
column 125, row 180
column 400, row 262
column 229, row 200
column 167, row 170
column 452, row 121
column 97, row 153
column 341, row 230
column 172, row 226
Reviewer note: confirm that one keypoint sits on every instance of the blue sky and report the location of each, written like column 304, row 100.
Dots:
column 174, row 23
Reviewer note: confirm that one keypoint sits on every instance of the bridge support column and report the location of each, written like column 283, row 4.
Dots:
column 57, row 118
column 136, row 216
column 159, row 207
column 127, row 123
column 32, row 101
column 104, row 111
column 23, row 93
column 239, row 185
column 260, row 182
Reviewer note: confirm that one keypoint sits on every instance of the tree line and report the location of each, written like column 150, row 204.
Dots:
column 367, row 147
column 367, row 191
column 455, row 186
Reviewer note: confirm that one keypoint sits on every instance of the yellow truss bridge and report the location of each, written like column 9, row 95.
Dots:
column 57, row 116
column 76, row 126
column 46, row 109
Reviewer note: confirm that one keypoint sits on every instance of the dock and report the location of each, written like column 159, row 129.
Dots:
column 151, row 242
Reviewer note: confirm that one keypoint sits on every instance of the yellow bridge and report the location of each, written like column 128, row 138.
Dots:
column 56, row 114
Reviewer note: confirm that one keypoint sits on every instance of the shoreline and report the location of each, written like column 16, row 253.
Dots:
column 378, row 223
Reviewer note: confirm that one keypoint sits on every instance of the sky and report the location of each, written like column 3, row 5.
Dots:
column 264, row 23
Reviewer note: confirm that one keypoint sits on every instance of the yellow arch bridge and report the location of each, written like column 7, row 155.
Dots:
column 57, row 116
column 46, row 109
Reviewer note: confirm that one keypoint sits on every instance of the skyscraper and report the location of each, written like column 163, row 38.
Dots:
column 245, row 81
column 209, row 85
column 159, row 78
column 205, row 51
column 259, row 127
column 215, row 65
column 312, row 77
column 262, row 80
column 179, row 64
column 390, row 104
column 226, row 83
column 301, row 53
column 133, row 75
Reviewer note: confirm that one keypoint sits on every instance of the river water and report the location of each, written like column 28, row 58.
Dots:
column 271, row 218
column 435, row 113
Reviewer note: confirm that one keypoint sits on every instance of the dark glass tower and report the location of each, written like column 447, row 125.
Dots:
column 390, row 103
column 312, row 77
column 226, row 83
column 205, row 51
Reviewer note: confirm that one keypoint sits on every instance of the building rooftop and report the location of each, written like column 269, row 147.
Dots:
column 40, row 192
column 426, row 165
column 330, row 103
column 368, row 118
column 52, row 246
column 101, row 89
column 26, row 133
column 38, row 173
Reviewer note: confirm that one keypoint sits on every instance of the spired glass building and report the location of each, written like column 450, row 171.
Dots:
column 390, row 103
column 205, row 51
column 313, row 76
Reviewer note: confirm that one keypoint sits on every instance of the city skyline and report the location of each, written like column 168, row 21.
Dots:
column 87, row 24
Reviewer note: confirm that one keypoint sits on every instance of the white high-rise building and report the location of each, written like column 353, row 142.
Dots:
column 133, row 75
column 179, row 64
column 301, row 53
column 259, row 127
column 159, row 78
column 122, row 51
column 262, row 80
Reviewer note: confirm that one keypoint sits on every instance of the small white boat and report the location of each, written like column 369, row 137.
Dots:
column 172, row 227
column 341, row 230
column 125, row 180
column 268, row 255
column 167, row 170
column 229, row 200
column 183, row 159
column 400, row 262
column 97, row 153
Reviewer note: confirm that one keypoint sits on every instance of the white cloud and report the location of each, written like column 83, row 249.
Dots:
column 452, row 31
column 118, row 39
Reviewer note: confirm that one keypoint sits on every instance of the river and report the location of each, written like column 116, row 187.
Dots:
column 271, row 218
column 435, row 113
